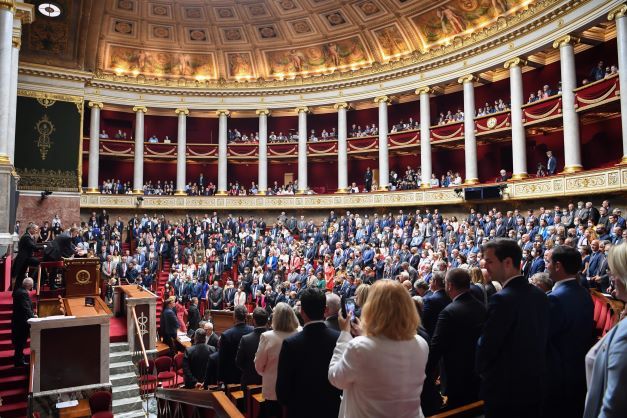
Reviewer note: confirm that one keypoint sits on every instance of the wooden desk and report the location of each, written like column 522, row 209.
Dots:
column 223, row 320
column 76, row 307
column 129, row 297
column 82, row 410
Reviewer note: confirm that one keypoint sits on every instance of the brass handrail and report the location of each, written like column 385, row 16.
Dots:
column 139, row 336
column 31, row 378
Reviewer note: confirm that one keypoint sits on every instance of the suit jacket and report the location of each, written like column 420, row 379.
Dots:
column 302, row 382
column 537, row 266
column 61, row 246
column 571, row 334
column 245, row 358
column 195, row 363
column 433, row 305
column 454, row 341
column 193, row 317
column 511, row 352
column 169, row 323
column 228, row 345
column 22, row 312
column 213, row 340
column 25, row 249
column 606, row 372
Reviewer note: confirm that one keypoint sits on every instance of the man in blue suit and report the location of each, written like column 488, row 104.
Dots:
column 435, row 303
column 551, row 164
column 302, row 384
column 594, row 267
column 511, row 352
column 537, row 265
column 571, row 334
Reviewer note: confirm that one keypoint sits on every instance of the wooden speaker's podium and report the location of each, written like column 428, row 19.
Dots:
column 70, row 338
column 143, row 302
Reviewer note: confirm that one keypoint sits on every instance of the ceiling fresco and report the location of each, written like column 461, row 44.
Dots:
column 245, row 40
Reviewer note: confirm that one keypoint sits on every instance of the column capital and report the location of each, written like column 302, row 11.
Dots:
column 470, row 78
column 304, row 109
column 515, row 62
column 618, row 12
column 342, row 105
column 25, row 12
column 140, row 109
column 565, row 40
column 380, row 99
column 99, row 105
column 8, row 4
column 182, row 110
column 221, row 112
column 262, row 112
column 423, row 90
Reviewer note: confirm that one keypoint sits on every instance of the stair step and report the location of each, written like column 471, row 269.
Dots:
column 13, row 410
column 123, row 379
column 11, row 370
column 126, row 391
column 126, row 404
column 117, row 347
column 121, row 367
column 6, row 356
column 132, row 414
column 120, row 356
column 4, row 314
column 11, row 382
column 5, row 323
column 14, row 395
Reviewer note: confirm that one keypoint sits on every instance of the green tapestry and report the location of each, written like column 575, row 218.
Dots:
column 47, row 141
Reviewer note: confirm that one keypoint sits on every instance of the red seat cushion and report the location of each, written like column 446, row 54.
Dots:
column 166, row 375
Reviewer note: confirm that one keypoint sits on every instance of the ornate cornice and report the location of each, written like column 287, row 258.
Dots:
column 565, row 40
column 460, row 48
column 99, row 105
column 515, row 62
column 25, row 12
column 182, row 110
column 619, row 12
column 52, row 96
column 8, row 4
column 142, row 109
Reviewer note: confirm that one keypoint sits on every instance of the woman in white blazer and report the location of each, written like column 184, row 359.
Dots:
column 284, row 324
column 606, row 362
column 381, row 372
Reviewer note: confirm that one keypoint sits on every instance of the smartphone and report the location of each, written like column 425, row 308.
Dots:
column 348, row 308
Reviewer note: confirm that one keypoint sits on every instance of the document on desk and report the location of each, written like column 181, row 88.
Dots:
column 67, row 404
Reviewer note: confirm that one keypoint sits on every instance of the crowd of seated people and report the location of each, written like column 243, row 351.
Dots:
column 487, row 109
column 463, row 275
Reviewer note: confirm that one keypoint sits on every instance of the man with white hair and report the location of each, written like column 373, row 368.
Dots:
column 22, row 312
column 331, row 312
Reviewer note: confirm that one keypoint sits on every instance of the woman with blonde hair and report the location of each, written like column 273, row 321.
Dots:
column 606, row 362
column 284, row 324
column 361, row 296
column 383, row 370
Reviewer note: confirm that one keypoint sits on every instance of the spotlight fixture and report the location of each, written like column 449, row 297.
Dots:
column 49, row 9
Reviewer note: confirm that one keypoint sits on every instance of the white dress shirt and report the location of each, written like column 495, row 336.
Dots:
column 267, row 360
column 380, row 377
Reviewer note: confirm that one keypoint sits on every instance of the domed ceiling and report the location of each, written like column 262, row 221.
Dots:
column 251, row 39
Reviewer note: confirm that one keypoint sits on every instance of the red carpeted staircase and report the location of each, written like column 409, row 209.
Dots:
column 162, row 279
column 13, row 380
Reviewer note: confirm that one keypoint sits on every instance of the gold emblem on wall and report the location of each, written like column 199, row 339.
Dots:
column 46, row 101
column 491, row 122
column 45, row 129
column 83, row 277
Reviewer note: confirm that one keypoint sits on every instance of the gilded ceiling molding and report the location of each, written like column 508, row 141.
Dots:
column 8, row 4
column 619, row 12
column 263, row 112
column 50, row 96
column 515, row 62
column 459, row 45
column 182, row 110
column 140, row 109
column 25, row 12
column 99, row 105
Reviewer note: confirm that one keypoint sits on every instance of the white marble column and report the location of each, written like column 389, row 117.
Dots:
column 342, row 148
column 138, row 167
column 470, row 142
column 426, row 166
column 384, row 170
column 262, row 177
column 572, row 146
column 620, row 15
column 15, row 59
column 222, row 151
column 94, row 148
column 7, row 12
column 519, row 149
column 302, row 149
column 181, row 151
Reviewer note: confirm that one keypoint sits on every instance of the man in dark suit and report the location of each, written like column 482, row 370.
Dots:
column 212, row 338
column 24, row 259
column 215, row 296
column 368, row 179
column 455, row 339
column 332, row 310
column 248, row 345
column 193, row 316
column 195, row 360
column 22, row 312
column 169, row 324
column 571, row 334
column 302, row 377
column 228, row 345
column 551, row 164
column 537, row 264
column 511, row 352
column 435, row 303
